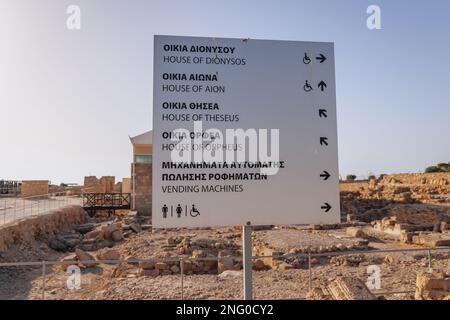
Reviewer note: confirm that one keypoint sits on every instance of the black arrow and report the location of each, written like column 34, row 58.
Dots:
column 325, row 175
column 321, row 58
column 323, row 113
column 326, row 207
column 322, row 85
column 323, row 141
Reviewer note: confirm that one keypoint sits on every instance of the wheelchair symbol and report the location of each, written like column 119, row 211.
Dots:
column 307, row 87
column 306, row 59
column 194, row 211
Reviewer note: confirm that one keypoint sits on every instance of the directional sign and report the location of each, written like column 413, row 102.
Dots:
column 321, row 58
column 244, row 132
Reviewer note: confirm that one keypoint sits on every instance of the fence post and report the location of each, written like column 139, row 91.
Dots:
column 4, row 213
column 182, row 278
column 429, row 259
column 43, row 280
column 247, row 262
column 310, row 271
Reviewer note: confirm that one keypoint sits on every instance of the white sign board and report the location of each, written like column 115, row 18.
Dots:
column 281, row 168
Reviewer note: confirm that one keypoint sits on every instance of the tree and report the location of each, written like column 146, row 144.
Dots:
column 432, row 169
column 351, row 177
column 444, row 167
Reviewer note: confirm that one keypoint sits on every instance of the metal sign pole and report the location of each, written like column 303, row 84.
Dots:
column 247, row 261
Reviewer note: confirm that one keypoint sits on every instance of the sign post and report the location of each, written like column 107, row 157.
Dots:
column 247, row 261
column 244, row 133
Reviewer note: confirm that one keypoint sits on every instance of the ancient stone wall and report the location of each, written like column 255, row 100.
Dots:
column 440, row 179
column 32, row 188
column 345, row 186
column 118, row 187
column 92, row 185
column 108, row 183
column 40, row 227
column 142, row 188
column 126, row 185
column 105, row 184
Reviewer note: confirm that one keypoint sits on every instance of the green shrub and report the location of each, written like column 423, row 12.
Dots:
column 350, row 177
column 432, row 169
column 444, row 167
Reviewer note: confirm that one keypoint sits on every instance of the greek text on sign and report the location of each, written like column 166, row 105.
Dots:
column 244, row 132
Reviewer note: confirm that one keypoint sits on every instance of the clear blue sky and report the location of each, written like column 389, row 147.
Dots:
column 69, row 99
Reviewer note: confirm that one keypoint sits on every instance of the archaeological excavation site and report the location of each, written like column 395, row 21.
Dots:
column 393, row 243
column 224, row 159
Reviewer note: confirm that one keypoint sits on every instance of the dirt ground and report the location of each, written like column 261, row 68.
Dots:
column 398, row 273
column 403, row 206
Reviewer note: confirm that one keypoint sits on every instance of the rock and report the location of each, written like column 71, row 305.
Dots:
column 355, row 232
column 147, row 264
column 230, row 274
column 93, row 244
column 135, row 227
column 117, row 235
column 317, row 294
column 85, row 228
column 198, row 254
column 352, row 261
column 132, row 260
column 57, row 245
column 174, row 240
column 389, row 259
column 128, row 233
column 210, row 265
column 161, row 266
column 187, row 266
column 71, row 242
column 149, row 272
column 110, row 229
column 175, row 269
column 226, row 262
column 122, row 270
column 259, row 265
column 431, row 285
column 346, row 288
column 284, row 266
column 109, row 254
column 84, row 257
column 71, row 257
column 95, row 234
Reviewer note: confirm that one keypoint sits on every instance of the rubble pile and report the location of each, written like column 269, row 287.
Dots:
column 342, row 288
column 432, row 285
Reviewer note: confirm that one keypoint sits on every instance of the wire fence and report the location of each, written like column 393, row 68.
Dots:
column 430, row 253
column 13, row 208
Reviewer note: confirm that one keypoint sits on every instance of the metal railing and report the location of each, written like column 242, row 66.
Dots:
column 182, row 261
column 12, row 209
